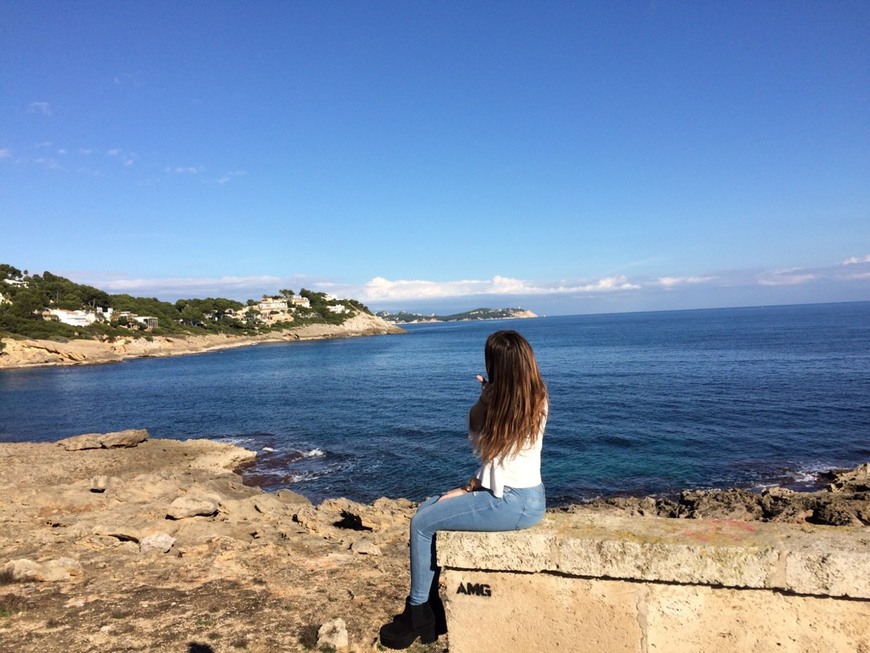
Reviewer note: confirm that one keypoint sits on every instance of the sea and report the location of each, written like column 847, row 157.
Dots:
column 640, row 403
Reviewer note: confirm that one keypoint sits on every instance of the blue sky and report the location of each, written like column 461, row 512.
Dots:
column 567, row 157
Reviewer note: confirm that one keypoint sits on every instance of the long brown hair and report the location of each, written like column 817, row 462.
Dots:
column 517, row 396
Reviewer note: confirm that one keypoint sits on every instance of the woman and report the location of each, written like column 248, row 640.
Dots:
column 506, row 428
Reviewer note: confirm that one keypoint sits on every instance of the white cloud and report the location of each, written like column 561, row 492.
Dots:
column 127, row 159
column 43, row 108
column 673, row 282
column 5, row 153
column 381, row 289
column 793, row 277
column 85, row 151
column 226, row 178
column 185, row 170
column 173, row 288
column 607, row 284
column 855, row 260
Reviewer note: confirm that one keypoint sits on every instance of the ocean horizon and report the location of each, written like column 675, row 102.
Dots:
column 641, row 403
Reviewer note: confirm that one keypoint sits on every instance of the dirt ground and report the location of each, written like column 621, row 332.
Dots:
column 244, row 579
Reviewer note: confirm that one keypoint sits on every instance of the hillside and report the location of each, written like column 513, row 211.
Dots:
column 49, row 306
column 403, row 317
column 49, row 320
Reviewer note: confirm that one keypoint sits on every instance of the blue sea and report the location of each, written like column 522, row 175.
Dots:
column 642, row 403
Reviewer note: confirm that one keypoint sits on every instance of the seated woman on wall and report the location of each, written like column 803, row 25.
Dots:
column 506, row 429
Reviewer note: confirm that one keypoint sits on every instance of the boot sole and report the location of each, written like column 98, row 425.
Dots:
column 427, row 636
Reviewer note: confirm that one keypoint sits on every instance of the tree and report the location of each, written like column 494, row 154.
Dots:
column 27, row 304
column 192, row 315
column 9, row 272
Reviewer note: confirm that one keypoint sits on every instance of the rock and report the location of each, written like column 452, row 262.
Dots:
column 332, row 634
column 81, row 442
column 99, row 484
column 365, row 547
column 23, row 570
column 194, row 506
column 157, row 542
column 128, row 438
column 842, row 513
column 851, row 480
column 292, row 498
column 339, row 518
column 720, row 504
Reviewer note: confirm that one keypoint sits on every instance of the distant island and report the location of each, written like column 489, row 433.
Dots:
column 404, row 317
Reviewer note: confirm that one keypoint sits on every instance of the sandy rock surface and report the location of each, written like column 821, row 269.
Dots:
column 172, row 552
column 137, row 544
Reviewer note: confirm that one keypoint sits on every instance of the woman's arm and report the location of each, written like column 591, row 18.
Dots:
column 472, row 486
column 477, row 414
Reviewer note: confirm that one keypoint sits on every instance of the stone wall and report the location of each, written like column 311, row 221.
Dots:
column 593, row 582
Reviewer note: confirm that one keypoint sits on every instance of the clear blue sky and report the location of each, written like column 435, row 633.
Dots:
column 567, row 157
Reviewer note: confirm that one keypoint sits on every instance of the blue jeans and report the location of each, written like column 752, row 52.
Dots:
column 473, row 511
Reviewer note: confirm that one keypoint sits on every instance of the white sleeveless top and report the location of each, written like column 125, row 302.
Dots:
column 520, row 470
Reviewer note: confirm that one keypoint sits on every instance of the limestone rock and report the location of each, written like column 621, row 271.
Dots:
column 722, row 504
column 850, row 480
column 193, row 506
column 23, row 570
column 332, row 634
column 157, row 542
column 82, row 442
column 842, row 513
column 365, row 547
column 292, row 498
column 127, row 438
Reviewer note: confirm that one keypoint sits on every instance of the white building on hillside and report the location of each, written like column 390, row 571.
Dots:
column 73, row 318
column 269, row 304
column 149, row 322
column 80, row 318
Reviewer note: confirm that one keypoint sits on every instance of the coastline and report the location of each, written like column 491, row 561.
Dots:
column 25, row 352
column 122, row 542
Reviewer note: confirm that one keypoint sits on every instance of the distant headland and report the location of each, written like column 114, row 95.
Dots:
column 49, row 320
column 403, row 317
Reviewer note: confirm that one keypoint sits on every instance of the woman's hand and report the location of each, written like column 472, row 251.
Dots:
column 485, row 388
column 453, row 493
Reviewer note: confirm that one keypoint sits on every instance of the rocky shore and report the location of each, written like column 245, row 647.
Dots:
column 25, row 352
column 117, row 542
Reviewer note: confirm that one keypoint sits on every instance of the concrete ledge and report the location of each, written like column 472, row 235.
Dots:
column 658, row 585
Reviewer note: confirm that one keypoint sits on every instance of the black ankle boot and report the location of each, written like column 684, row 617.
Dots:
column 437, row 610
column 415, row 621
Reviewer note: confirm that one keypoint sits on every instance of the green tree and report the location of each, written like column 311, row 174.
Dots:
column 10, row 272
column 27, row 304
